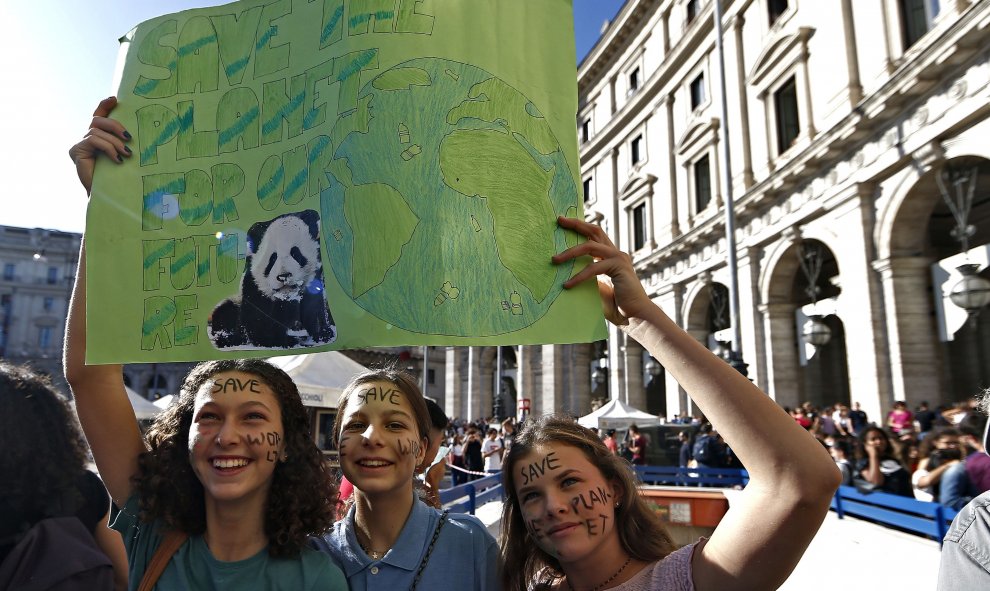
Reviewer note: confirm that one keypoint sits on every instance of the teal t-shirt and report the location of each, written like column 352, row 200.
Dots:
column 194, row 567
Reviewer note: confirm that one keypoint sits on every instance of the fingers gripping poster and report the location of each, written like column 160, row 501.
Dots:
column 326, row 174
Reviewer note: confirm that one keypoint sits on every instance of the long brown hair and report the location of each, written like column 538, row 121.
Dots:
column 641, row 533
column 302, row 495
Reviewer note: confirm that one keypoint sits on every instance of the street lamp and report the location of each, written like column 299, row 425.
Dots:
column 811, row 258
column 972, row 292
column 815, row 332
column 957, row 185
column 653, row 368
column 599, row 376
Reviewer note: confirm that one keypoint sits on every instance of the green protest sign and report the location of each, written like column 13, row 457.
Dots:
column 326, row 174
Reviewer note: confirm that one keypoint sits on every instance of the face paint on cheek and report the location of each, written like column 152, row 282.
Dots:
column 268, row 441
column 343, row 446
column 540, row 539
column 273, row 440
column 534, row 529
column 409, row 447
column 588, row 500
column 596, row 525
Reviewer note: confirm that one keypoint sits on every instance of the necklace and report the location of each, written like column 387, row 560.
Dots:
column 608, row 580
column 373, row 554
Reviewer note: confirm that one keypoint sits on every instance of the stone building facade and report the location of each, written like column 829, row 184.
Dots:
column 36, row 272
column 842, row 119
column 37, row 269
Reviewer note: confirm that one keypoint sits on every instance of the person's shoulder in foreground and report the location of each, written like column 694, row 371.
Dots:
column 966, row 548
column 965, row 560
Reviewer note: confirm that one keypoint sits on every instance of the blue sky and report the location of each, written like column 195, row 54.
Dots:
column 57, row 59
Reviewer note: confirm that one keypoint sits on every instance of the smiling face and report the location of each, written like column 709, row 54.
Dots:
column 235, row 439
column 379, row 440
column 566, row 503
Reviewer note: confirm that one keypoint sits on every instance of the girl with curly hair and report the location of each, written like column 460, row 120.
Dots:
column 391, row 539
column 230, row 465
column 573, row 519
column 35, row 422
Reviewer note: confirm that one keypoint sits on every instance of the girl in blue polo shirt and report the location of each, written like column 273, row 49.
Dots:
column 389, row 538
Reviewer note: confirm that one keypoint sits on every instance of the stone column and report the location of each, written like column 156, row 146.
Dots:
column 915, row 366
column 670, row 301
column 750, row 329
column 522, row 371
column 488, row 372
column 805, row 81
column 854, row 87
column 552, row 363
column 675, row 224
column 616, row 365
column 861, row 306
column 783, row 373
column 454, row 399
column 581, row 377
column 741, row 91
column 636, row 389
column 472, row 404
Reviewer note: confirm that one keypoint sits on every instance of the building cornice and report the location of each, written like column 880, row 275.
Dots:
column 613, row 41
column 875, row 117
column 699, row 37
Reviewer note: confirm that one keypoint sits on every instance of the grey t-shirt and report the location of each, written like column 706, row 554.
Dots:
column 965, row 561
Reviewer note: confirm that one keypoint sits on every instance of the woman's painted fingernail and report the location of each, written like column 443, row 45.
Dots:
column 120, row 158
column 126, row 135
column 126, row 149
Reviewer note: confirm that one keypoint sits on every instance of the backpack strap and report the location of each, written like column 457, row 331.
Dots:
column 163, row 554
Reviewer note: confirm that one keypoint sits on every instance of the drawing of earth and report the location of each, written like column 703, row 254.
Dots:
column 440, row 215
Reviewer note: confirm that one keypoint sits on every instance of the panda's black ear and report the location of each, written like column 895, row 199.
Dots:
column 312, row 220
column 255, row 234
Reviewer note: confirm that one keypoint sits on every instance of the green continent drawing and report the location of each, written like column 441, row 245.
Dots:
column 493, row 165
column 365, row 206
column 442, row 202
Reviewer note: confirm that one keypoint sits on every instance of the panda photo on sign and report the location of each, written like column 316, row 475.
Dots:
column 282, row 304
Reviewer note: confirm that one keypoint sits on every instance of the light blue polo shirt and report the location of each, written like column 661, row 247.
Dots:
column 465, row 556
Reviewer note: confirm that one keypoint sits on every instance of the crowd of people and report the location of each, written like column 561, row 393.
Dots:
column 228, row 490
column 934, row 455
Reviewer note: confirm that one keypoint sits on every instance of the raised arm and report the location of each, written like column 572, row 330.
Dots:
column 104, row 410
column 792, row 478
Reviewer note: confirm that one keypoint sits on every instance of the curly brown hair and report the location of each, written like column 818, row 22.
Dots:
column 35, row 422
column 641, row 533
column 169, row 489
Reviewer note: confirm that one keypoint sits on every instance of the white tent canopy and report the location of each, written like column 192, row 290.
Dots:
column 164, row 401
column 618, row 415
column 143, row 408
column 320, row 377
